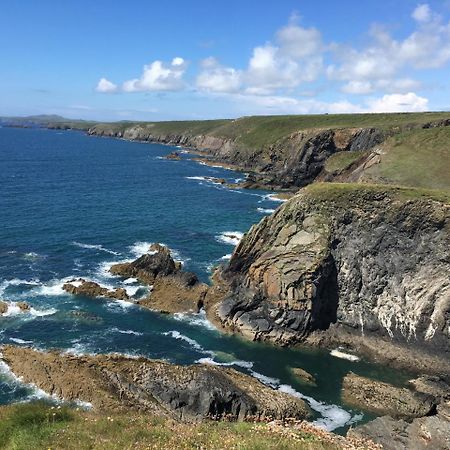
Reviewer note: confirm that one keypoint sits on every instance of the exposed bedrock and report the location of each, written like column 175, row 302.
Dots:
column 173, row 289
column 342, row 263
column 115, row 382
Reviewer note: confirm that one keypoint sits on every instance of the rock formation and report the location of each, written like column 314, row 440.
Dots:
column 343, row 264
column 384, row 398
column 93, row 289
column 114, row 382
column 173, row 290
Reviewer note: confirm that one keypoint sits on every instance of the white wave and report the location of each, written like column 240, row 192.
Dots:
column 45, row 312
column 197, row 178
column 119, row 305
column 271, row 197
column 20, row 341
column 95, row 247
column 230, row 237
column 272, row 382
column 132, row 290
column 141, row 248
column 4, row 285
column 118, row 330
column 266, row 210
column 333, row 416
column 340, row 354
column 198, row 319
column 83, row 405
column 209, row 360
column 226, row 257
column 78, row 348
column 32, row 256
column 177, row 335
column 14, row 310
column 130, row 281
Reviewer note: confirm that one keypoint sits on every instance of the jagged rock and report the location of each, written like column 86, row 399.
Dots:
column 180, row 292
column 361, row 262
column 174, row 156
column 114, row 382
column 303, row 376
column 425, row 433
column 148, row 266
column 93, row 289
column 23, row 306
column 384, row 398
column 3, row 307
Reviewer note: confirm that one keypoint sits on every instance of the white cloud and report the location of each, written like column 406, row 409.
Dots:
column 381, row 63
column 158, row 76
column 399, row 103
column 217, row 78
column 105, row 86
column 422, row 13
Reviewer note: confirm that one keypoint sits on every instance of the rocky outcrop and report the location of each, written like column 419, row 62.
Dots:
column 384, row 398
column 93, row 289
column 180, row 292
column 425, row 433
column 172, row 289
column 114, row 382
column 158, row 262
column 23, row 307
column 352, row 262
column 175, row 156
column 303, row 376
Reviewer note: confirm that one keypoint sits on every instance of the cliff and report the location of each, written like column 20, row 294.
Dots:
column 285, row 152
column 362, row 265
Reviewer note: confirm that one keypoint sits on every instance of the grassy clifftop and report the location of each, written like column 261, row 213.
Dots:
column 40, row 426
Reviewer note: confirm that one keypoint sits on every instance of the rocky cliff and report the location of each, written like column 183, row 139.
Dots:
column 351, row 264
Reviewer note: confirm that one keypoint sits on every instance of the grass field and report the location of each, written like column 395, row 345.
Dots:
column 35, row 426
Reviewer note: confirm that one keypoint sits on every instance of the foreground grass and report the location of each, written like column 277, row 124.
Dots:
column 40, row 426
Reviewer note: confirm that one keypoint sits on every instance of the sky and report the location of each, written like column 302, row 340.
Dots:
column 198, row 59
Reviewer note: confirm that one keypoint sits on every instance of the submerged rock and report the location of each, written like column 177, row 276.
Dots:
column 114, row 382
column 93, row 289
column 174, row 156
column 303, row 376
column 384, row 398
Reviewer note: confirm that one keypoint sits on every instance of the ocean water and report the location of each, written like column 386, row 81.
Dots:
column 72, row 205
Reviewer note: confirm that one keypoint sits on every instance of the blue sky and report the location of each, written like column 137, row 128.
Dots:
column 200, row 59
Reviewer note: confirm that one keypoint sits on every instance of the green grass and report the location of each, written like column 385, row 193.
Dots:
column 38, row 426
column 260, row 131
column 342, row 160
column 344, row 192
column 418, row 158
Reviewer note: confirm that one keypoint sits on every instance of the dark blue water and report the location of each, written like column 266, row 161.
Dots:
column 71, row 205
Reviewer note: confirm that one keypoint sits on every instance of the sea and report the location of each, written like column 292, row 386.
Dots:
column 71, row 205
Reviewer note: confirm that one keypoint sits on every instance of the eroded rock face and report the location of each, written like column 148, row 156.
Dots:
column 93, row 289
column 384, row 398
column 367, row 261
column 148, row 266
column 425, row 433
column 113, row 382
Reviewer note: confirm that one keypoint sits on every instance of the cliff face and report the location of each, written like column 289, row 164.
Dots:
column 371, row 261
column 293, row 161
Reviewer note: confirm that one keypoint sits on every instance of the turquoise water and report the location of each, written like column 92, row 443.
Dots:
column 71, row 205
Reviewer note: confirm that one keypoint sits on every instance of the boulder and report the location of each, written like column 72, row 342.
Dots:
column 384, row 398
column 173, row 156
column 3, row 307
column 115, row 382
column 93, row 289
column 23, row 306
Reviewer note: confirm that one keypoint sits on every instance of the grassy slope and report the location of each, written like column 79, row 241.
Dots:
column 37, row 426
column 418, row 158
